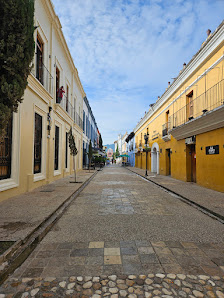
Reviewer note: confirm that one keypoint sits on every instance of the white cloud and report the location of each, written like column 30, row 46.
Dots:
column 127, row 50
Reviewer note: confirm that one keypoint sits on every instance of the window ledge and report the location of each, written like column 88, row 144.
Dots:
column 38, row 177
column 7, row 184
column 57, row 172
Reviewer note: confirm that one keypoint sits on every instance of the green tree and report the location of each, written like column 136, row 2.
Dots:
column 100, row 142
column 73, row 149
column 16, row 54
column 117, row 152
column 90, row 153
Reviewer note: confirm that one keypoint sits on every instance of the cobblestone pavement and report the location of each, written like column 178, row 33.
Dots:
column 122, row 225
column 151, row 285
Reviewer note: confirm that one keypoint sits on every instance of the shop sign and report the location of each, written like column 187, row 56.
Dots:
column 210, row 150
column 155, row 136
column 191, row 140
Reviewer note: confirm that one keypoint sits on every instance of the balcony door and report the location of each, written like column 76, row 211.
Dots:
column 190, row 106
column 57, row 84
column 39, row 60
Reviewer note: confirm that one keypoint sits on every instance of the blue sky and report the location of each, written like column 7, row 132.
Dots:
column 126, row 51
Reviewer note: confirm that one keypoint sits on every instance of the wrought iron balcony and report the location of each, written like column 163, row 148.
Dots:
column 202, row 114
column 78, row 120
column 41, row 73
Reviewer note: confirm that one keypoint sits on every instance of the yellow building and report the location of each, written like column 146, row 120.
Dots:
column 35, row 150
column 186, row 124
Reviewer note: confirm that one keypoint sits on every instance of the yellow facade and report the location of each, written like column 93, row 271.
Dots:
column 186, row 125
column 40, row 98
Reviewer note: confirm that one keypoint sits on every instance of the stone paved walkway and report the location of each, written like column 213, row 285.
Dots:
column 205, row 197
column 122, row 225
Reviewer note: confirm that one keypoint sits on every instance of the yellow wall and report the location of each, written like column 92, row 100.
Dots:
column 209, row 169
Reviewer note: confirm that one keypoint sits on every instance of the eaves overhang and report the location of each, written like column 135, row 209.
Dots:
column 204, row 123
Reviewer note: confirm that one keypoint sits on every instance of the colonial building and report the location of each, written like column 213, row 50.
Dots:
column 90, row 130
column 35, row 150
column 130, row 140
column 185, row 126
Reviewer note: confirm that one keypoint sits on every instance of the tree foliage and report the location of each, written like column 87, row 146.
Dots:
column 100, row 142
column 72, row 146
column 16, row 53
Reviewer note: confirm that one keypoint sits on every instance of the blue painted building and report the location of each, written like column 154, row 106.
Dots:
column 130, row 140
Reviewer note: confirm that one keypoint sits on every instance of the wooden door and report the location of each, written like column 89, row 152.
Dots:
column 193, row 163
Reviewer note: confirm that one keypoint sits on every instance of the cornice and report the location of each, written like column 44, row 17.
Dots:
column 205, row 51
column 39, row 89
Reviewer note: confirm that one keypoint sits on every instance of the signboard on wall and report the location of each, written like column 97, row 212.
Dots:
column 211, row 150
column 191, row 140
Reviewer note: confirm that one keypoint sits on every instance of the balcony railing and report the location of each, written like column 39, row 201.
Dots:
column 41, row 73
column 165, row 129
column 78, row 120
column 66, row 105
column 208, row 101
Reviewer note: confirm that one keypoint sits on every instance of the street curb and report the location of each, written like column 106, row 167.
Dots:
column 20, row 250
column 205, row 210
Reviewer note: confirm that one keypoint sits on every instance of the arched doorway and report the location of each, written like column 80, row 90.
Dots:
column 155, row 158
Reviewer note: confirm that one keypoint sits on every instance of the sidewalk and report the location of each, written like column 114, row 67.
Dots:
column 21, row 214
column 204, row 197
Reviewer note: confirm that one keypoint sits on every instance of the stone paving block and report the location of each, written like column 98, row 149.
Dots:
column 166, row 259
column 149, row 259
column 172, row 268
column 58, row 261
column 127, row 243
column 112, row 260
column 188, row 244
column 90, row 270
column 96, row 252
column 66, row 245
column 191, row 269
column 77, row 260
column 174, row 244
column 99, row 244
column 131, row 259
column 212, row 270
column 128, row 250
column 152, row 268
column 80, row 252
column 32, row 272
column 95, row 260
column 132, row 268
column 142, row 243
column 114, row 244
column 179, row 252
column 79, row 245
column 158, row 243
column 62, row 253
column 145, row 250
column 162, row 251
column 112, row 251
column 195, row 252
column 113, row 269
column 45, row 254
column 39, row 263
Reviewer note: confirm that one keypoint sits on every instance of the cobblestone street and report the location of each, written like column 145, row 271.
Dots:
column 124, row 236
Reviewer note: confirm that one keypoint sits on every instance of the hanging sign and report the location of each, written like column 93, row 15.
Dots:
column 210, row 150
column 191, row 140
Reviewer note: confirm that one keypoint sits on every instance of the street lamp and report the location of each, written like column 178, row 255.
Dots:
column 146, row 137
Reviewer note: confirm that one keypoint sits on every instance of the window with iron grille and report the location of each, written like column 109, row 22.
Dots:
column 37, row 143
column 56, row 148
column 66, row 150
column 6, row 152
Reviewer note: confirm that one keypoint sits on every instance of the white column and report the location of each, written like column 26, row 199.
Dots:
column 158, row 162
